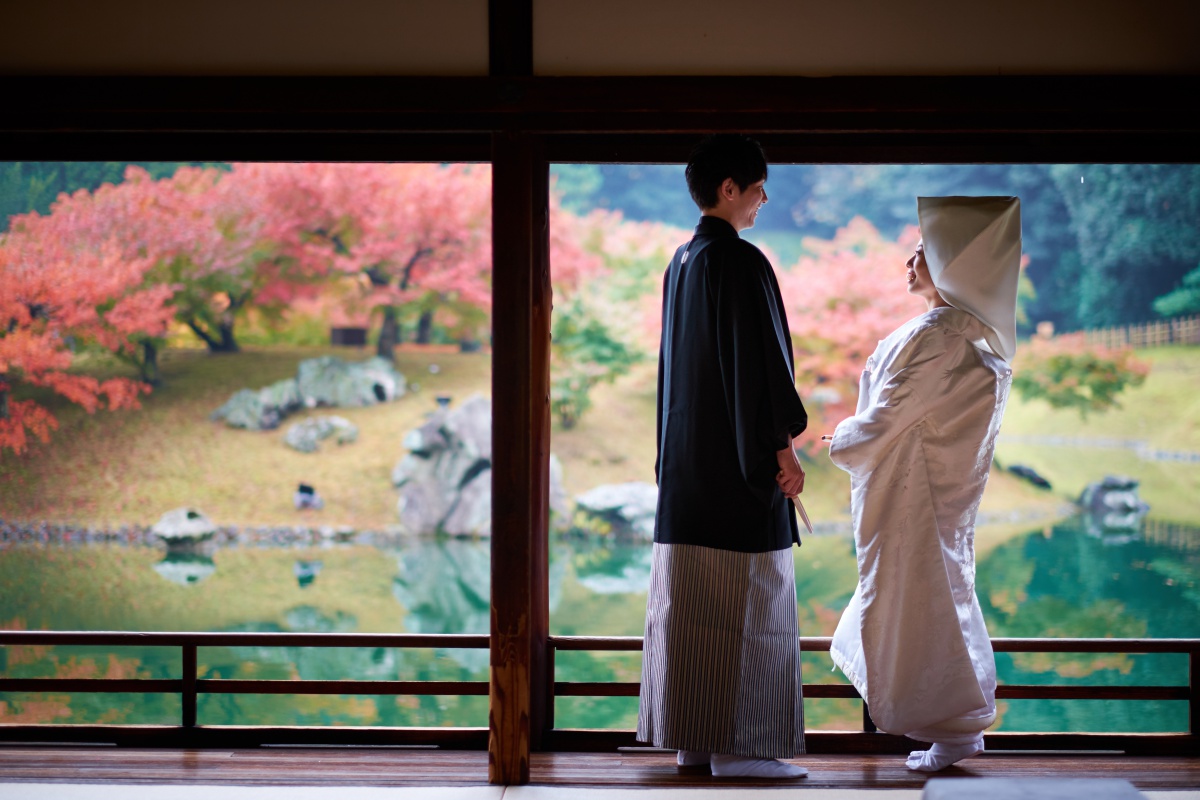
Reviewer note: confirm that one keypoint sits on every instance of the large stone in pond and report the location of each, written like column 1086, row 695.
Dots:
column 330, row 381
column 472, row 512
column 1112, row 504
column 445, row 479
column 625, row 510
column 183, row 528
column 306, row 435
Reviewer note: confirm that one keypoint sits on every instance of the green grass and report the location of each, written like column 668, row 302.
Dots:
column 114, row 468
column 1164, row 411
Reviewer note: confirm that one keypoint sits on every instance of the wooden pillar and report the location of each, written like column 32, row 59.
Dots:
column 520, row 453
column 510, row 38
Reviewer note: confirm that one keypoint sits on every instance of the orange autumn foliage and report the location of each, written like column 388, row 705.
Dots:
column 66, row 284
column 841, row 299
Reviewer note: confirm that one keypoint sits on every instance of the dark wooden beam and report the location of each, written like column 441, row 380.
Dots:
column 224, row 736
column 520, row 454
column 765, row 105
column 510, row 38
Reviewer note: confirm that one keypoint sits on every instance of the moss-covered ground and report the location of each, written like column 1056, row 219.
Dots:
column 128, row 467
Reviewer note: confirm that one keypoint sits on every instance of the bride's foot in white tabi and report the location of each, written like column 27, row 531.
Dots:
column 692, row 758
column 724, row 766
column 941, row 756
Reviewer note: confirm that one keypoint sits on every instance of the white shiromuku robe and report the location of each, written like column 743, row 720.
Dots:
column 918, row 450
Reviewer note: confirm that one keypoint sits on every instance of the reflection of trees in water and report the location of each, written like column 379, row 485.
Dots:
column 1064, row 583
column 340, row 663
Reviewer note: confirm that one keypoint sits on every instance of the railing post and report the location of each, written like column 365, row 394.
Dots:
column 1194, row 692
column 868, row 723
column 188, row 695
column 549, row 718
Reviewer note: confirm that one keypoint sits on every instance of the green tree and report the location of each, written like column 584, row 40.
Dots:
column 1138, row 233
column 1184, row 300
column 33, row 185
column 1068, row 373
column 584, row 352
column 886, row 195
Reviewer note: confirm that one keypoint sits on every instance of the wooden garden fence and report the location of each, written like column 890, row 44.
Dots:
column 1181, row 330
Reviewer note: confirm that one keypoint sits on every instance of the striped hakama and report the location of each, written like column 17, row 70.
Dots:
column 721, row 664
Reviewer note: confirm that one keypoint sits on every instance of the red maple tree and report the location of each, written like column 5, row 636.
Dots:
column 65, row 287
column 841, row 299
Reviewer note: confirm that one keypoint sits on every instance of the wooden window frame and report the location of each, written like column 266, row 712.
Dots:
column 521, row 124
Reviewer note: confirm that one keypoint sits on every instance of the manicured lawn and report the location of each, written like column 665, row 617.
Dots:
column 113, row 468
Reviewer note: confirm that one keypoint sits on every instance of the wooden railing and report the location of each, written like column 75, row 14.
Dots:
column 868, row 740
column 189, row 686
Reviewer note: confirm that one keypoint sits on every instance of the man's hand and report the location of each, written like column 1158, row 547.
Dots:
column 791, row 474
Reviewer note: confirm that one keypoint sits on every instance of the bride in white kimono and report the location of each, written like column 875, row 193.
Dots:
column 918, row 450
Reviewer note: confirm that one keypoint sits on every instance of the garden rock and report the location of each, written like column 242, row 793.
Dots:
column 1112, row 504
column 1029, row 474
column 260, row 409
column 445, row 479
column 183, row 528
column 324, row 381
column 305, row 498
column 626, row 510
column 330, row 381
column 306, row 436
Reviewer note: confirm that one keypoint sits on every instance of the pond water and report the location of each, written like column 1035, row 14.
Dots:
column 1062, row 580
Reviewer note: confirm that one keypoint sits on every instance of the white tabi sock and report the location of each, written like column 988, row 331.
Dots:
column 724, row 766
column 692, row 758
column 941, row 756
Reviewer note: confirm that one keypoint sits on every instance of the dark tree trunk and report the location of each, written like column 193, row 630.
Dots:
column 149, row 365
column 425, row 327
column 227, row 343
column 389, row 335
column 4, row 402
column 225, row 326
column 223, row 342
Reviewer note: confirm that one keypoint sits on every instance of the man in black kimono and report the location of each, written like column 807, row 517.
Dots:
column 721, row 665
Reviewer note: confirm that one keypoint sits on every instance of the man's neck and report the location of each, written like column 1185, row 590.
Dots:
column 722, row 214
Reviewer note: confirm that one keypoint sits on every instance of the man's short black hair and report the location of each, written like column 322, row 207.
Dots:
column 721, row 156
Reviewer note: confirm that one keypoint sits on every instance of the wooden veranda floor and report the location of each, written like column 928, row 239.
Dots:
column 386, row 767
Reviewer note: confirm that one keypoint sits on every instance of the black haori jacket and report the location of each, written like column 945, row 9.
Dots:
column 727, row 398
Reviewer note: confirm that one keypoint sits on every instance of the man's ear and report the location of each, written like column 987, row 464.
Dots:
column 728, row 188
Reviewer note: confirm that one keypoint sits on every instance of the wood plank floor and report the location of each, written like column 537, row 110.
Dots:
column 402, row 767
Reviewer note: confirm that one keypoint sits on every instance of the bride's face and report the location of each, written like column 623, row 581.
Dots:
column 919, row 281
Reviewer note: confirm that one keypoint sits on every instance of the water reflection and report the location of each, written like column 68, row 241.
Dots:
column 306, row 572
column 1060, row 581
column 185, row 568
column 1112, row 510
